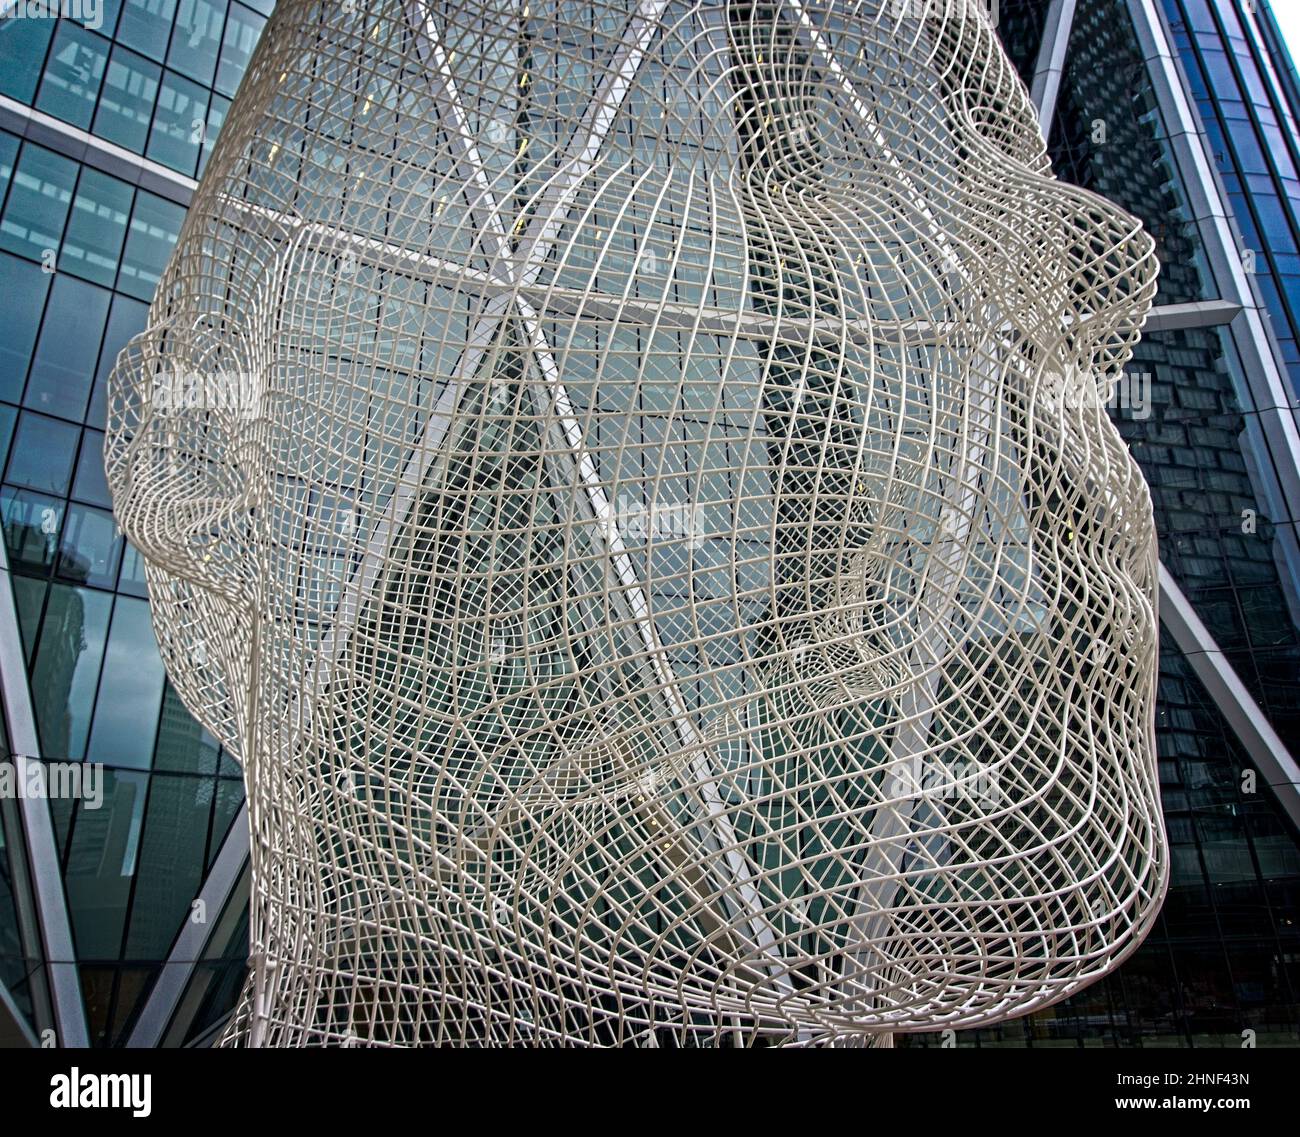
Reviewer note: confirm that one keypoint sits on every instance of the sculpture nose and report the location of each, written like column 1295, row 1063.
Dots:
column 1112, row 269
column 181, row 455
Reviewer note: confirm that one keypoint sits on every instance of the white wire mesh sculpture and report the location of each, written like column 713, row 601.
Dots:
column 630, row 481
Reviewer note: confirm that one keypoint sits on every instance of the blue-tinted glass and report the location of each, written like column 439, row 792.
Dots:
column 243, row 29
column 91, row 549
column 96, row 227
column 73, row 73
column 108, row 13
column 64, row 363
column 197, row 38
column 101, row 864
column 1254, row 83
column 38, row 203
column 1198, row 15
column 1221, row 76
column 126, row 103
column 178, row 123
column 146, row 25
column 130, row 693
column 31, row 525
column 22, row 52
column 8, row 154
column 217, row 110
column 43, row 449
column 1291, row 287
column 29, row 596
column 23, row 286
column 183, row 745
column 153, row 231
column 171, row 861
column 90, row 484
column 66, row 669
column 133, row 984
column 8, row 417
column 125, row 319
column 230, row 795
column 1250, row 156
column 1273, row 218
column 131, row 580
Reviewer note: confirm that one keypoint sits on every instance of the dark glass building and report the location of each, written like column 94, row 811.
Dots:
column 104, row 125
column 126, row 924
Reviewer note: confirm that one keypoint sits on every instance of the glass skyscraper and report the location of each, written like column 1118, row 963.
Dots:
column 104, row 125
column 126, row 924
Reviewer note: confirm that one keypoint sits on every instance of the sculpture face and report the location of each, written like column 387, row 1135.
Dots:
column 616, row 475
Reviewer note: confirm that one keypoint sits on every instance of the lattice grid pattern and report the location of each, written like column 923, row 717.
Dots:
column 630, row 481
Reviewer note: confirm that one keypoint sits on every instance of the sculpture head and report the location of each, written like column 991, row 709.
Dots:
column 631, row 483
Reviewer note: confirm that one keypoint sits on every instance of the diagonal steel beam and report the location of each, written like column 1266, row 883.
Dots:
column 1050, row 65
column 187, row 949
column 50, row 900
column 1248, row 722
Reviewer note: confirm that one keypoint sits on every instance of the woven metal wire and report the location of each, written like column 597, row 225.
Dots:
column 631, row 482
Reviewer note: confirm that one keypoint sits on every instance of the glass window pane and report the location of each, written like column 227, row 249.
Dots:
column 108, row 13
column 183, row 745
column 42, row 454
column 66, row 672
column 22, row 52
column 155, row 224
column 171, row 861
column 97, row 227
column 217, row 111
column 64, row 364
column 178, row 124
column 133, row 984
column 146, row 25
column 91, row 547
column 8, row 154
column 126, row 103
column 132, row 580
column 243, row 29
column 130, row 693
column 8, row 417
column 230, row 796
column 29, row 596
column 125, row 319
column 73, row 73
column 24, row 286
column 90, row 484
column 196, row 39
column 38, row 203
column 31, row 528
column 101, row 864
